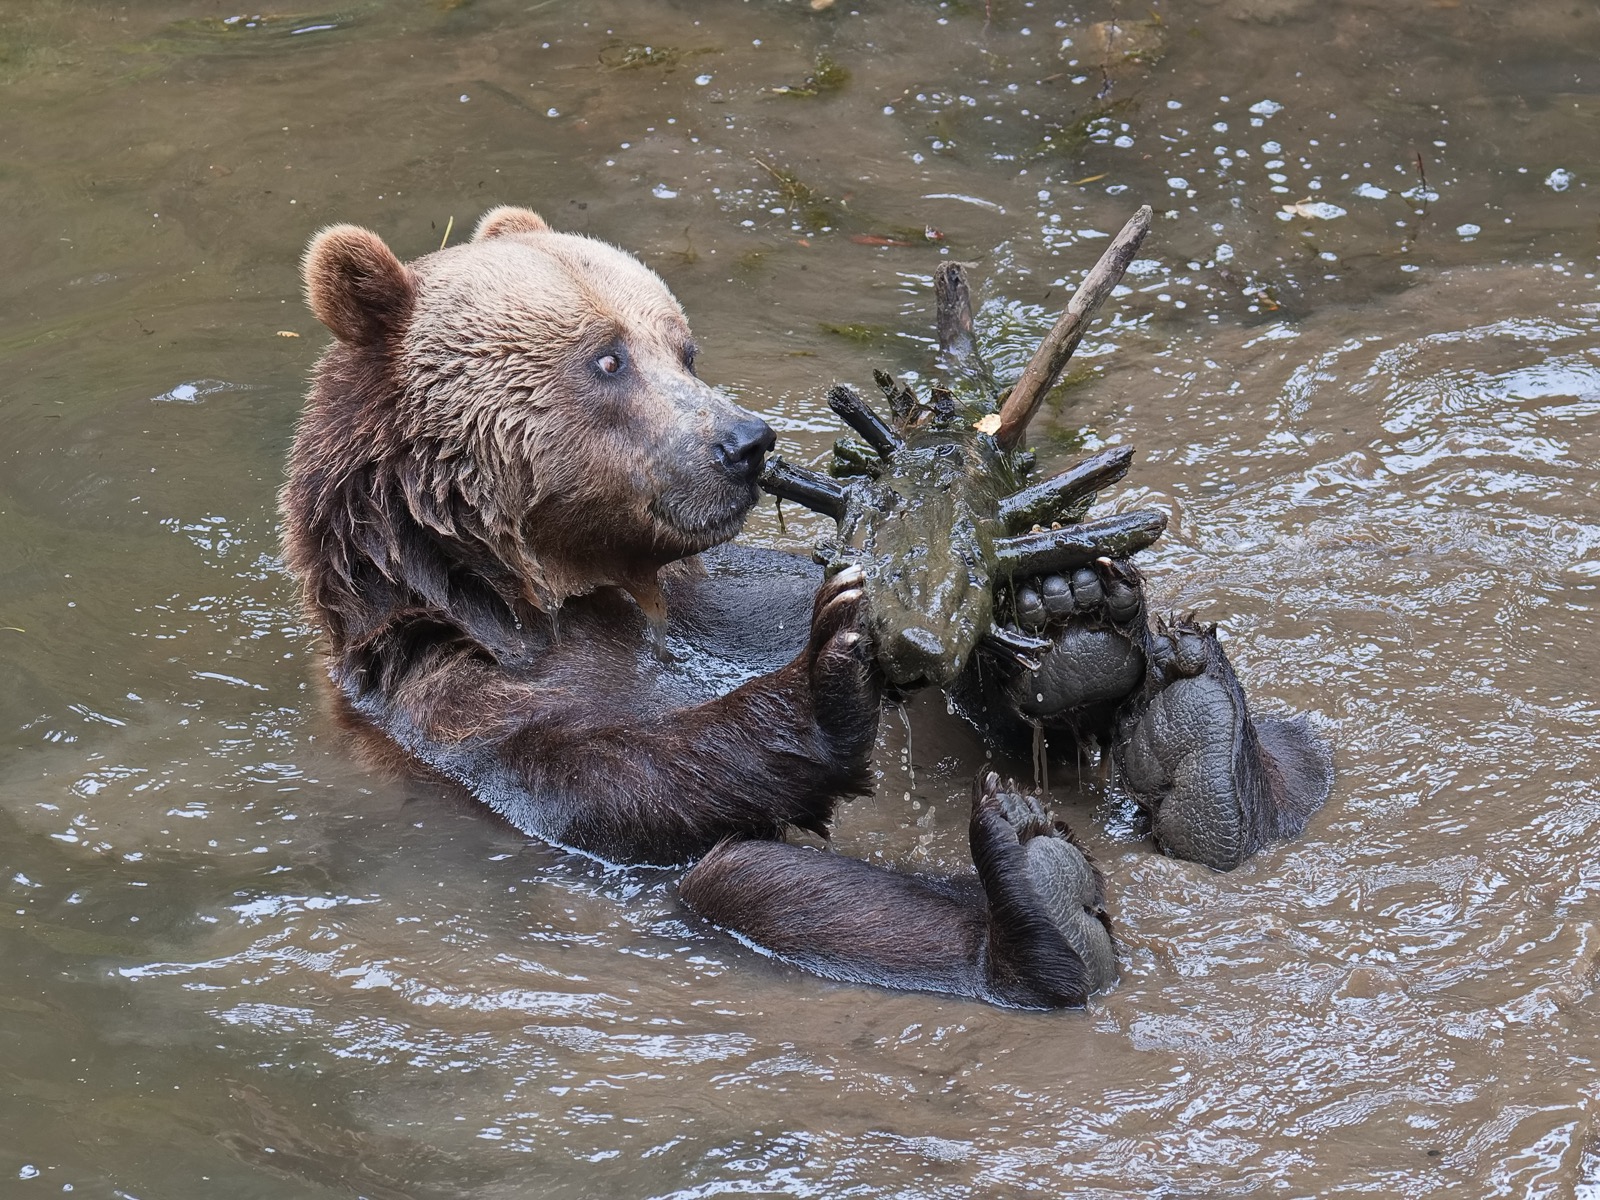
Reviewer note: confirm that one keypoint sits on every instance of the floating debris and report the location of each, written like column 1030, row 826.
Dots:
column 634, row 56
column 826, row 76
column 935, row 504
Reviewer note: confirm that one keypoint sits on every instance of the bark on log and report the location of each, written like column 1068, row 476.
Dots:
column 857, row 413
column 953, row 321
column 816, row 492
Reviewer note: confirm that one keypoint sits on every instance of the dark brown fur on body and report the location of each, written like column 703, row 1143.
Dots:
column 470, row 497
column 505, row 506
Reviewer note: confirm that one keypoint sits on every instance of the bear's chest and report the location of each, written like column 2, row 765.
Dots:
column 747, row 614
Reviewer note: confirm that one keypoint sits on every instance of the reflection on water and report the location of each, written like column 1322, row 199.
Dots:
column 1361, row 362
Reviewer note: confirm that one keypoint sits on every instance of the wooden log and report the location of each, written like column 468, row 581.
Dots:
column 858, row 414
column 958, row 343
column 816, row 492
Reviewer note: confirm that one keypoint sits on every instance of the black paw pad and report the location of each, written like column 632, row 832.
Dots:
column 1019, row 809
column 1181, row 648
column 1086, row 591
column 1105, row 592
column 1218, row 783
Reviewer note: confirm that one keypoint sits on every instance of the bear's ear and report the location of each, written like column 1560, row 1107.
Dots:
column 498, row 222
column 356, row 286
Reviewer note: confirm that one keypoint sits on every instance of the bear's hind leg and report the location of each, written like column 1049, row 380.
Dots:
column 1217, row 783
column 842, row 918
column 1028, row 930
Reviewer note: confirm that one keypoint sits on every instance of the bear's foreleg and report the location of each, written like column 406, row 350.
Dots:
column 1027, row 930
column 780, row 750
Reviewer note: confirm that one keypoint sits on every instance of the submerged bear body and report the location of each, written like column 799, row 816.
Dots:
column 603, row 677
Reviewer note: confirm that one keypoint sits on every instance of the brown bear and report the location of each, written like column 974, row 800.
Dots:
column 507, row 505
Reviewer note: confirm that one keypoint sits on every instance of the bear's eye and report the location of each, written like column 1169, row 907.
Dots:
column 609, row 363
column 689, row 353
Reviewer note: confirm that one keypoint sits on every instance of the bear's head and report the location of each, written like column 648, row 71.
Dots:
column 533, row 395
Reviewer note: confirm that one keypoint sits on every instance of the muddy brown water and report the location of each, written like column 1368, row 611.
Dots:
column 234, row 962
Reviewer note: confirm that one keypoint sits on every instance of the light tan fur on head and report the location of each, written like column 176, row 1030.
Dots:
column 499, row 366
column 509, row 435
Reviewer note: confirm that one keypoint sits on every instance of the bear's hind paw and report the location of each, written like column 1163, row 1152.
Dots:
column 1218, row 784
column 1050, row 940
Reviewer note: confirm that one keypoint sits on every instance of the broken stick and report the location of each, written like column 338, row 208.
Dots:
column 1050, row 359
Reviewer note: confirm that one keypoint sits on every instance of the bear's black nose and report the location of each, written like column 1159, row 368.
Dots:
column 743, row 445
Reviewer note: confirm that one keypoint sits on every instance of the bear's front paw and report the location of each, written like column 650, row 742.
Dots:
column 1094, row 619
column 845, row 683
column 1049, row 936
